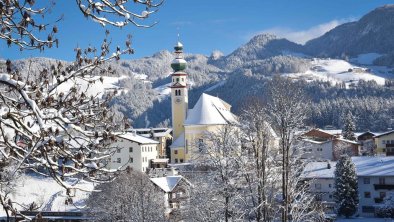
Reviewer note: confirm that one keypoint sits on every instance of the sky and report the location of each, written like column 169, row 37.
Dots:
column 203, row 25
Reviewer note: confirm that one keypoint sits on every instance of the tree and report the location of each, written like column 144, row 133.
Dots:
column 262, row 172
column 23, row 22
column 130, row 197
column 349, row 127
column 287, row 109
column 386, row 209
column 346, row 187
column 49, row 122
column 216, row 194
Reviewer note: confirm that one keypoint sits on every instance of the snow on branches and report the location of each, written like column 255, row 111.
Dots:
column 24, row 23
column 52, row 125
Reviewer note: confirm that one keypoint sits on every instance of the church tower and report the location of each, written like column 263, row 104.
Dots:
column 179, row 94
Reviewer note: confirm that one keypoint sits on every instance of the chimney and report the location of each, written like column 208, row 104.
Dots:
column 328, row 165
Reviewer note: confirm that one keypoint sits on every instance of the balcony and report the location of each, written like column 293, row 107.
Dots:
column 384, row 186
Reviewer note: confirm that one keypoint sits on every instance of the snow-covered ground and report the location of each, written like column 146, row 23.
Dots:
column 365, row 59
column 47, row 194
column 164, row 90
column 96, row 88
column 221, row 83
column 341, row 71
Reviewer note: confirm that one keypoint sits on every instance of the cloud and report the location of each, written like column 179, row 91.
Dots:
column 302, row 36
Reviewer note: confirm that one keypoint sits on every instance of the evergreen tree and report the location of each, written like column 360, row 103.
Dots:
column 346, row 187
column 349, row 127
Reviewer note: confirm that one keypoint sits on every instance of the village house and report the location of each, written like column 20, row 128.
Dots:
column 321, row 144
column 161, row 135
column 384, row 143
column 367, row 143
column 375, row 181
column 176, row 191
column 134, row 151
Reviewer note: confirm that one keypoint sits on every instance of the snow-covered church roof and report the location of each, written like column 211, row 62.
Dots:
column 210, row 110
column 179, row 142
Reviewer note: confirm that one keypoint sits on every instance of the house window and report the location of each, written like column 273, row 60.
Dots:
column 329, row 185
column 187, row 146
column 382, row 180
column 318, row 186
column 176, row 160
column 200, row 144
column 318, row 197
column 118, row 160
column 181, row 160
column 367, row 181
column 382, row 195
column 367, row 194
column 383, row 142
column 330, row 196
column 118, row 150
column 131, row 159
column 130, row 149
column 177, row 79
column 175, row 152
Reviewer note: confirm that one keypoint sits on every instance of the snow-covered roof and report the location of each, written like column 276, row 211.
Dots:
column 365, row 166
column 137, row 138
column 384, row 134
column 374, row 166
column 160, row 160
column 319, row 170
column 347, row 141
column 210, row 110
column 315, row 141
column 168, row 183
column 332, row 132
column 179, row 142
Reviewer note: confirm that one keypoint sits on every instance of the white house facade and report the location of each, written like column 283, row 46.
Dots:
column 134, row 151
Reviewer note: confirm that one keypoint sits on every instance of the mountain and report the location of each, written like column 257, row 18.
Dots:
column 372, row 33
column 260, row 47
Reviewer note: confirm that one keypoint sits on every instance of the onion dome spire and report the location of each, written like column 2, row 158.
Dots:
column 179, row 64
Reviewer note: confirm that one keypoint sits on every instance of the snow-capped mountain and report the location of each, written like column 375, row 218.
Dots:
column 372, row 33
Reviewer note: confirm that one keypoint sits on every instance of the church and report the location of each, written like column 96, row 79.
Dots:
column 209, row 114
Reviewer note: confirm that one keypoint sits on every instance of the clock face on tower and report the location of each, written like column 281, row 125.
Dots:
column 178, row 100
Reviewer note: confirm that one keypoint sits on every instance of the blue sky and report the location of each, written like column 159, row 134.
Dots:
column 204, row 25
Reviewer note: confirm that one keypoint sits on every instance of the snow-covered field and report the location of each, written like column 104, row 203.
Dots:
column 341, row 71
column 95, row 89
column 47, row 194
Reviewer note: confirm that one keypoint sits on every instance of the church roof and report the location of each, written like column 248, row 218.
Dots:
column 179, row 142
column 210, row 110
